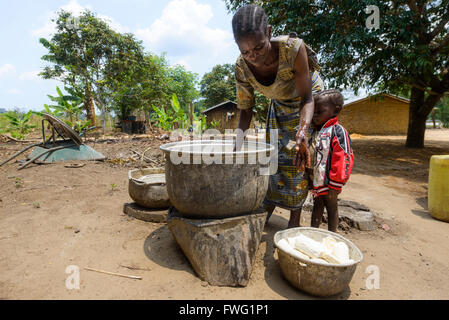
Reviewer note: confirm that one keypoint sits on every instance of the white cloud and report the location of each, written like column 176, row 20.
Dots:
column 30, row 76
column 184, row 63
column 49, row 27
column 7, row 68
column 183, row 31
column 76, row 9
column 114, row 25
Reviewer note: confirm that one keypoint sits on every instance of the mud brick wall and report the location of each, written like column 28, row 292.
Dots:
column 375, row 116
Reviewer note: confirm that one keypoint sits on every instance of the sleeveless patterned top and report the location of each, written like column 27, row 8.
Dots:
column 283, row 87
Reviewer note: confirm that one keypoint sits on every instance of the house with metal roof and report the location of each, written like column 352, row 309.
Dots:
column 378, row 114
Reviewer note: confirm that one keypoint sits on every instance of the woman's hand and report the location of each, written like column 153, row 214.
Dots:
column 302, row 158
column 304, row 86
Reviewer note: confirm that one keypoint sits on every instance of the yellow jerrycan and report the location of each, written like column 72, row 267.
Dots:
column 438, row 192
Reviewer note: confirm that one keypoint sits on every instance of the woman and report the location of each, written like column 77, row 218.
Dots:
column 283, row 69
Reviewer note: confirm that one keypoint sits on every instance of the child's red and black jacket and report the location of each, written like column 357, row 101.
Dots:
column 333, row 157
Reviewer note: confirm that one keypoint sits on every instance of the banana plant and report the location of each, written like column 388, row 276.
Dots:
column 69, row 105
column 164, row 119
column 19, row 123
column 215, row 124
column 180, row 115
column 47, row 109
column 80, row 126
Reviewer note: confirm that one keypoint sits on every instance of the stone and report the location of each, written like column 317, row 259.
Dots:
column 150, row 215
column 221, row 251
column 353, row 204
column 362, row 220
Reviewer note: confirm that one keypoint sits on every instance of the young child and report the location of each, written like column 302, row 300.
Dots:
column 332, row 157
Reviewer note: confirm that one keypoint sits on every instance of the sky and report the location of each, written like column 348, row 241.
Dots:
column 194, row 33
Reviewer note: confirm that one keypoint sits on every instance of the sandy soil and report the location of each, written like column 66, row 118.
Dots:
column 52, row 216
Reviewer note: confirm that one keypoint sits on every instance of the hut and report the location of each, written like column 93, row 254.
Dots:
column 379, row 114
column 225, row 115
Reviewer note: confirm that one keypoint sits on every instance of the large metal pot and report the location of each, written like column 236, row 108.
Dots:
column 207, row 179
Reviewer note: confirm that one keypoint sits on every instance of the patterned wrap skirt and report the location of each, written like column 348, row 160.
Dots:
column 288, row 188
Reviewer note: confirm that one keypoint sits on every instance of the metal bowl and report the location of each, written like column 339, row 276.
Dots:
column 147, row 187
column 316, row 278
column 207, row 179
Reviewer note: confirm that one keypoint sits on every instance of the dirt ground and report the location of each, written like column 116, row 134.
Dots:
column 52, row 217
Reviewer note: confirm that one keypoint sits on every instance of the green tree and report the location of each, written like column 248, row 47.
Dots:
column 409, row 49
column 218, row 85
column 182, row 83
column 88, row 56
column 261, row 107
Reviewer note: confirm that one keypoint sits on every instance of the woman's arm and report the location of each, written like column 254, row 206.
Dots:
column 245, row 102
column 304, row 87
column 245, row 117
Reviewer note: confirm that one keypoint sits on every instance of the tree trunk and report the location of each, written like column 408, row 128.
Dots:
column 89, row 106
column 103, row 120
column 420, row 107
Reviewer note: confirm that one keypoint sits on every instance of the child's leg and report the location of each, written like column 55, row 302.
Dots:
column 295, row 216
column 332, row 209
column 270, row 209
column 317, row 211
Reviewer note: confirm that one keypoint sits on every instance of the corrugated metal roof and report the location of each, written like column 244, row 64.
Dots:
column 358, row 99
column 219, row 105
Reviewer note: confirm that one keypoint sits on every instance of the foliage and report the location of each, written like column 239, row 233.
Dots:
column 442, row 112
column 214, row 124
column 261, row 108
column 111, row 69
column 167, row 117
column 19, row 124
column 410, row 48
column 90, row 58
column 164, row 119
column 183, row 84
column 218, row 85
column 80, row 126
column 179, row 115
column 68, row 105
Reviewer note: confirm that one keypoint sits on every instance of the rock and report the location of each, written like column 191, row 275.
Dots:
column 362, row 220
column 221, row 251
column 353, row 204
column 151, row 215
column 386, row 227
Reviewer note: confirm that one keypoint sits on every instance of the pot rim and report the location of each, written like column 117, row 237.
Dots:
column 280, row 235
column 266, row 147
